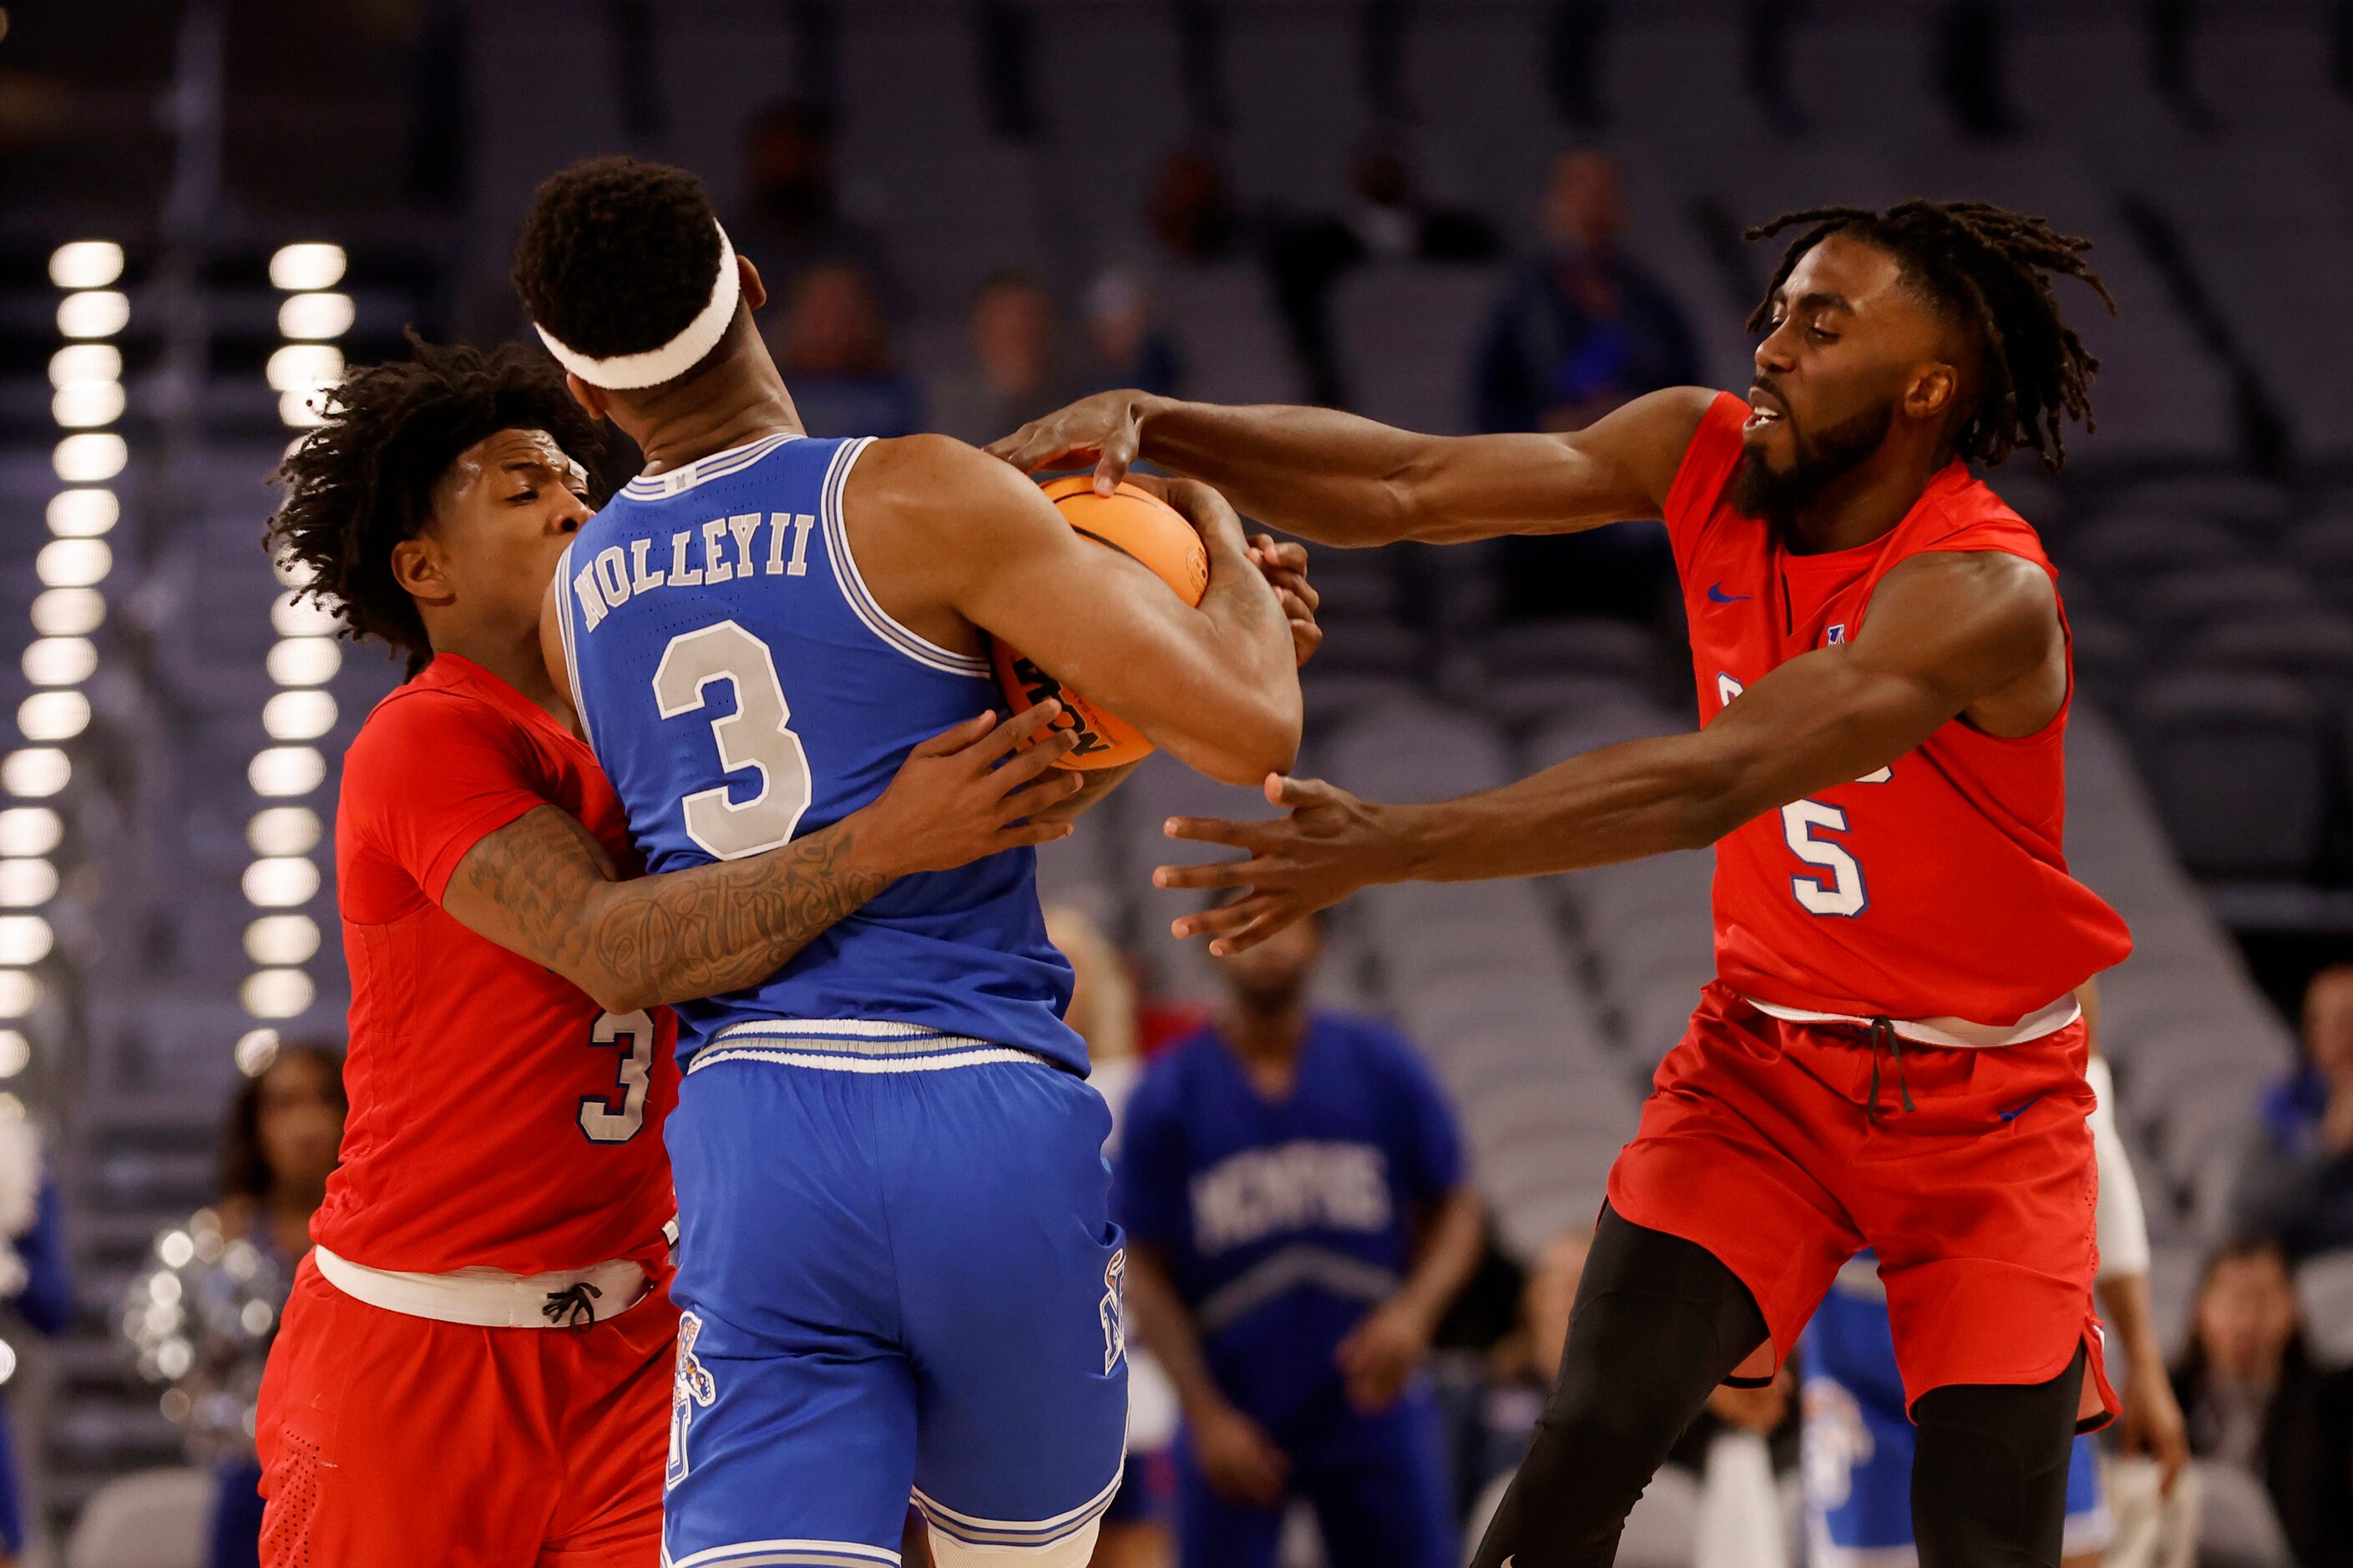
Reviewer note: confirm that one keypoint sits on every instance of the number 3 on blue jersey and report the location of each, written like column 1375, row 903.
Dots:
column 1838, row 887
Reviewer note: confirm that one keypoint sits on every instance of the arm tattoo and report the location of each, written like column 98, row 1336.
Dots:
column 545, row 888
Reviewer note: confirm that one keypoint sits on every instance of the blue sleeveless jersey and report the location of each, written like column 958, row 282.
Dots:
column 743, row 688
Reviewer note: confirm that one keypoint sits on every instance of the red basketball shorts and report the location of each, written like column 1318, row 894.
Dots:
column 1758, row 1144
column 389, row 1440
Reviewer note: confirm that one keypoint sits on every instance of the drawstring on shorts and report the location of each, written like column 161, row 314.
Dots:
column 1883, row 1034
column 574, row 1307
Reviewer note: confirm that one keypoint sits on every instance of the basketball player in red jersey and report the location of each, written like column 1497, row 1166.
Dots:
column 475, row 1367
column 1890, row 1055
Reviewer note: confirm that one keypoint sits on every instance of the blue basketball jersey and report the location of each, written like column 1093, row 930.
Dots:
column 741, row 687
column 1285, row 1221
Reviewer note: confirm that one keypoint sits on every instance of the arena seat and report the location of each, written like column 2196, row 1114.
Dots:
column 2236, row 762
column 156, row 1519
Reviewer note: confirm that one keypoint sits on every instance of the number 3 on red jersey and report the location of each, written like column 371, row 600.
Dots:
column 1837, row 888
column 600, row 1118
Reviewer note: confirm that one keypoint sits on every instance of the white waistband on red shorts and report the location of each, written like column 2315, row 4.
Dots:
column 492, row 1298
column 1951, row 1032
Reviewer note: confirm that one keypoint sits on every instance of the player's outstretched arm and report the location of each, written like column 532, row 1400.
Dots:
column 1947, row 632
column 1341, row 480
column 542, row 887
column 1217, row 685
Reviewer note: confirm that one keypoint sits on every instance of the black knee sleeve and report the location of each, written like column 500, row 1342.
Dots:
column 1659, row 1323
column 1989, row 1477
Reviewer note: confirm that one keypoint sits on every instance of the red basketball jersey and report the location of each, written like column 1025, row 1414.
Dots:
column 1934, row 887
column 499, row 1118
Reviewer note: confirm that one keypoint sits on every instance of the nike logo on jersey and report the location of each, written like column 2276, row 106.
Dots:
column 1717, row 595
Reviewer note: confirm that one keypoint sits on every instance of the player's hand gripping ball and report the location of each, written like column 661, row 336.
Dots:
column 1137, row 524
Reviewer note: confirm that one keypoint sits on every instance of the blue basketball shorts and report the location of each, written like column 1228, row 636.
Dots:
column 899, row 1278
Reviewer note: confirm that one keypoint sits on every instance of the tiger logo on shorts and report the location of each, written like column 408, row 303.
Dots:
column 1112, row 1310
column 691, row 1385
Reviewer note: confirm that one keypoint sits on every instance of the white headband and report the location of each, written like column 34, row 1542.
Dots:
column 626, row 373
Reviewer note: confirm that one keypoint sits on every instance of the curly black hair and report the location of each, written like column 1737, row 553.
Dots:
column 618, row 255
column 363, row 482
column 1988, row 269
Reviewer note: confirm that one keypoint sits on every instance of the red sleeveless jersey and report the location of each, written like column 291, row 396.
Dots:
column 1935, row 888
column 499, row 1118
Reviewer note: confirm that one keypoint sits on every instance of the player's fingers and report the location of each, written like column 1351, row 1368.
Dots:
column 1297, row 583
column 1277, row 915
column 1226, row 919
column 1039, row 444
column 1023, row 766
column 1294, row 607
column 956, row 738
column 1044, row 794
column 1212, row 830
column 1212, row 874
column 1119, row 448
column 1285, row 555
column 1020, row 730
column 1285, row 791
column 1219, row 922
column 1029, row 835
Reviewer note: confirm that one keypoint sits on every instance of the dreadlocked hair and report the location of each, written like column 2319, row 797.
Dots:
column 363, row 482
column 618, row 255
column 1988, row 271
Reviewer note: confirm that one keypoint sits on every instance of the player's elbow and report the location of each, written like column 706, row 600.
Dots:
column 1260, row 735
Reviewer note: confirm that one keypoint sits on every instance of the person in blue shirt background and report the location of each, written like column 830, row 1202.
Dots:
column 36, row 1281
column 1293, row 1187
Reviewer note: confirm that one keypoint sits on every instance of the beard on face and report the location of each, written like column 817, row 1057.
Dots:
column 1822, row 461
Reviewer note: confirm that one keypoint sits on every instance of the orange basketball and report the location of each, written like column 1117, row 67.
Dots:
column 1138, row 524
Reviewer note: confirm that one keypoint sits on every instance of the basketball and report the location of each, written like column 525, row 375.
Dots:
column 1140, row 525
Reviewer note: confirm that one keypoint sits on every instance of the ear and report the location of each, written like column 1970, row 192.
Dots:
column 417, row 567
column 591, row 398
column 1931, row 393
column 756, row 292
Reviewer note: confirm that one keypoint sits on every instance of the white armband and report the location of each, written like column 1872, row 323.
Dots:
column 2123, row 1226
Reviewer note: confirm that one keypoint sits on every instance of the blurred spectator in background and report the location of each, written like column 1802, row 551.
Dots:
column 2255, row 1400
column 1191, row 209
column 1298, row 1220
column 792, row 218
column 1016, row 372
column 833, row 344
column 1393, row 220
column 34, row 1280
column 1581, row 328
column 1134, row 1531
column 2297, row 1180
column 1126, row 344
column 285, row 1134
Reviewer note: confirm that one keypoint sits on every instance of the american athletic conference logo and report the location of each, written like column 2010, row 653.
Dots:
column 1113, row 1308
column 690, row 1386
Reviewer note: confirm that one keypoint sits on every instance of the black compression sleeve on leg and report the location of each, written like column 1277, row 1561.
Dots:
column 1990, row 1477
column 1657, row 1323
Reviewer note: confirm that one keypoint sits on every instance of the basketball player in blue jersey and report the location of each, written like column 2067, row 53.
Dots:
column 897, row 1269
column 1859, row 1439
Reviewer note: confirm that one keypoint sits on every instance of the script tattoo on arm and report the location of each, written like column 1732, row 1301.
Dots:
column 542, row 887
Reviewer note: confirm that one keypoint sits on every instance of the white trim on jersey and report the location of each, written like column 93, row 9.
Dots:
column 761, row 1553
column 713, row 466
column 569, row 638
column 855, row 592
